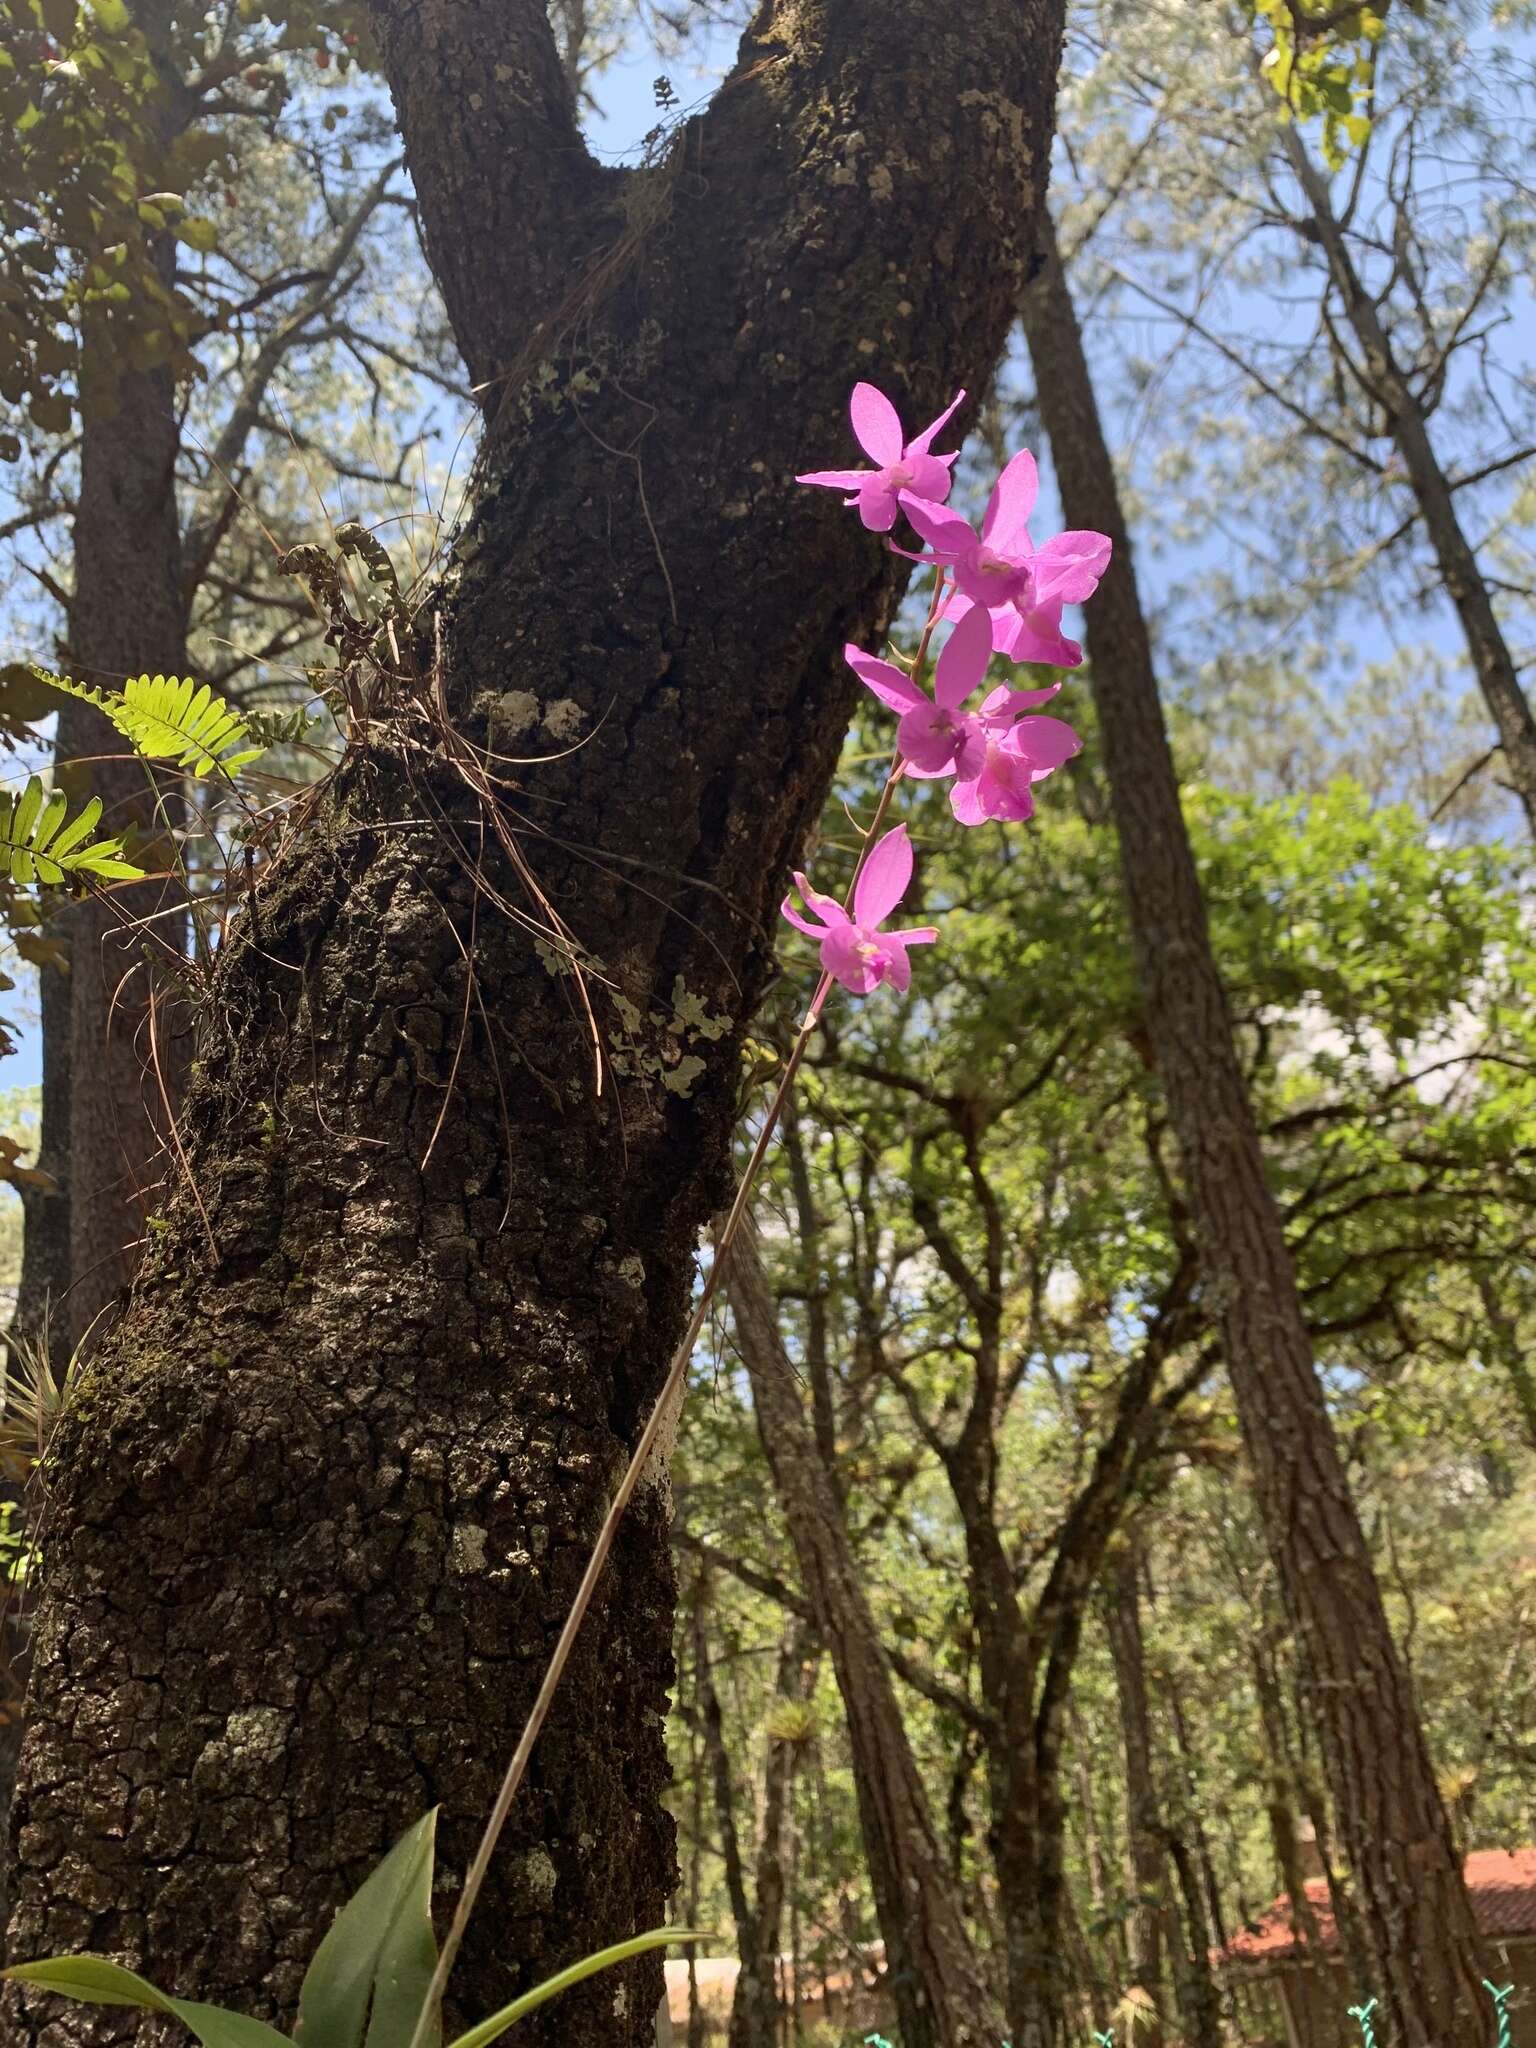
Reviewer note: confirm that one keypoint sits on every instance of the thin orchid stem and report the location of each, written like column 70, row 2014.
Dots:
column 538, row 1714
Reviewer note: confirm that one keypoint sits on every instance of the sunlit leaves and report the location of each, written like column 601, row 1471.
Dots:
column 1321, row 63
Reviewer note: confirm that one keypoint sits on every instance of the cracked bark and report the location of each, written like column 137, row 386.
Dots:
column 1417, row 1922
column 326, row 1491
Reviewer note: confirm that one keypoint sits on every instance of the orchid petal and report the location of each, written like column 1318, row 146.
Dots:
column 928, row 478
column 946, row 532
column 887, row 681
column 792, row 916
column 966, row 804
column 964, row 660
column 971, row 753
column 1043, row 742
column 1012, row 501
column 835, row 479
column 827, row 908
column 884, row 878
column 843, row 960
column 877, row 502
column 924, row 440
column 876, row 427
column 927, row 744
column 1006, row 702
column 1035, row 636
column 1068, row 568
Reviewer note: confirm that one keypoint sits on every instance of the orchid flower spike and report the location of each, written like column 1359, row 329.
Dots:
column 854, row 950
column 902, row 465
column 1000, row 567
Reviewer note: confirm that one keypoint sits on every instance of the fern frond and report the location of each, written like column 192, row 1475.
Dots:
column 170, row 718
column 36, row 845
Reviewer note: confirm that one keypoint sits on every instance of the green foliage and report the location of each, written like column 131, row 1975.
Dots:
column 112, row 162
column 1322, row 65
column 37, row 845
column 373, row 1967
column 170, row 718
column 368, row 1979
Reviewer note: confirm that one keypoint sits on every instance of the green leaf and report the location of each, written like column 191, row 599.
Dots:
column 379, row 1954
column 216, row 2028
column 169, row 718
column 198, row 233
column 93, row 1980
column 90, row 1980
column 34, row 849
column 605, row 1958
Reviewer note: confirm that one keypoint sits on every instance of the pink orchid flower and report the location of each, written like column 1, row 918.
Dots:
column 903, row 465
column 995, row 753
column 934, row 737
column 854, row 950
column 1000, row 567
column 1020, row 752
column 1034, row 635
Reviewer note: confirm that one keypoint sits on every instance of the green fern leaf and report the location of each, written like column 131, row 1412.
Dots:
column 37, row 846
column 171, row 718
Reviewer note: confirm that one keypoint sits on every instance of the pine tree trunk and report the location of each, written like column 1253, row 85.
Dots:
column 127, row 617
column 1423, row 1941
column 325, row 1495
column 755, row 2007
column 1143, row 1810
column 936, row 1978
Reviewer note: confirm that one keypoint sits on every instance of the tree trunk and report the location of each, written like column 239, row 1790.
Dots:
column 324, row 1498
column 1503, row 1332
column 755, row 2008
column 1143, row 1809
column 1492, row 663
column 1199, row 2000
column 1419, row 1925
column 126, row 617
column 935, row 1975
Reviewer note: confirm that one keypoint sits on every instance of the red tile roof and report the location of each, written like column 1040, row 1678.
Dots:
column 1501, row 1883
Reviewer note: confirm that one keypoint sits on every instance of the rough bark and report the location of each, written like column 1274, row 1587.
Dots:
column 325, row 1496
column 935, row 1976
column 1386, row 382
column 1395, row 1835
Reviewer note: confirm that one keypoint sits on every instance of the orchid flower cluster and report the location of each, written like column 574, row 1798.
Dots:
column 999, row 594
